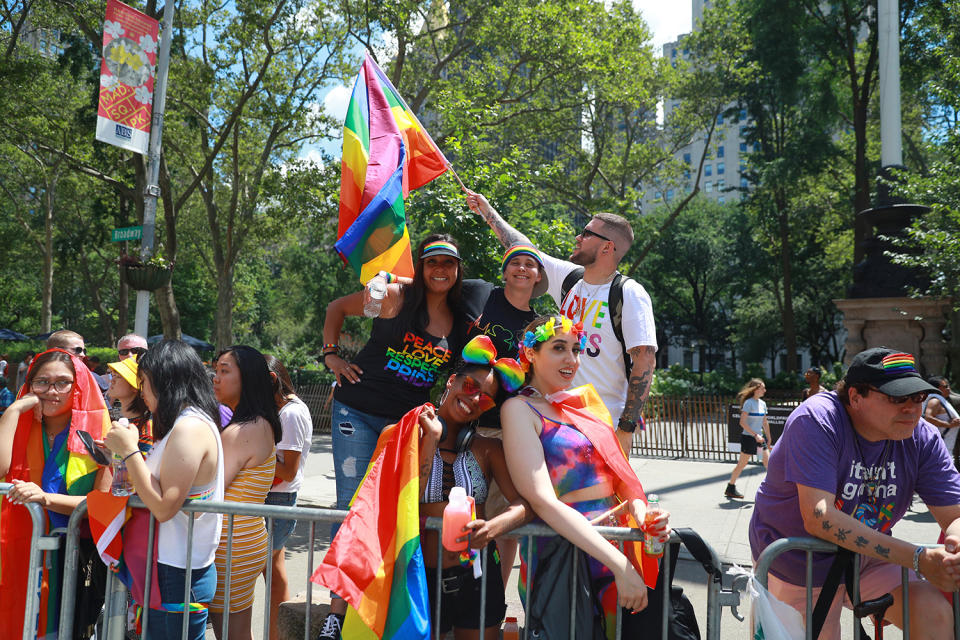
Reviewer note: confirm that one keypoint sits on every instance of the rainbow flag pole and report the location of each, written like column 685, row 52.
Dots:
column 386, row 153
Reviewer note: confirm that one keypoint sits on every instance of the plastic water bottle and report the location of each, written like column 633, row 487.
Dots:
column 457, row 513
column 511, row 631
column 652, row 544
column 376, row 292
column 121, row 481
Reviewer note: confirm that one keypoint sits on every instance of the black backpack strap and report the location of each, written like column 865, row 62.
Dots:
column 840, row 569
column 615, row 305
column 698, row 549
column 572, row 278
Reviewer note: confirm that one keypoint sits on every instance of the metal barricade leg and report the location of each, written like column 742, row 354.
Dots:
column 71, row 565
column 115, row 608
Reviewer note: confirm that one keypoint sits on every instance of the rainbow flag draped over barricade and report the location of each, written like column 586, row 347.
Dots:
column 375, row 562
column 386, row 153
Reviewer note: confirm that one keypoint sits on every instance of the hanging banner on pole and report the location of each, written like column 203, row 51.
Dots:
column 126, row 77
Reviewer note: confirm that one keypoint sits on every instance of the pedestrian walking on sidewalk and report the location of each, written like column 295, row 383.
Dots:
column 756, row 430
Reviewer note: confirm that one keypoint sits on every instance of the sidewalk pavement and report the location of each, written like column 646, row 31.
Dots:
column 691, row 490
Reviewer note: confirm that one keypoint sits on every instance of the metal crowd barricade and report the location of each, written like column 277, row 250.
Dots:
column 116, row 599
column 717, row 597
column 39, row 543
column 815, row 545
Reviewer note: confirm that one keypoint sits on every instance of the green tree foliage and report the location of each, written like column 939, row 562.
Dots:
column 694, row 276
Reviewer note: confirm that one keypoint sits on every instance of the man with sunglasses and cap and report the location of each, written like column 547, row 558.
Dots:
column 845, row 471
column 615, row 310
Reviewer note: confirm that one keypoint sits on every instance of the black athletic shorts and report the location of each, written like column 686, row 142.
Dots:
column 748, row 445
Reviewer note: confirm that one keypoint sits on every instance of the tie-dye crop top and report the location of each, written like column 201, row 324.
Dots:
column 571, row 458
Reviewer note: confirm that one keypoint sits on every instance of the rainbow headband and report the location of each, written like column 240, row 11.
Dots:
column 480, row 350
column 520, row 250
column 897, row 363
column 440, row 248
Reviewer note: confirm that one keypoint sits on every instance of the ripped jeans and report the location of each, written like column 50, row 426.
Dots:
column 355, row 435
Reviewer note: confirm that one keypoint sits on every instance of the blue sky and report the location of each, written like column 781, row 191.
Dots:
column 667, row 20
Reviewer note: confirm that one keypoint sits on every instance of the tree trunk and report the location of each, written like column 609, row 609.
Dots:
column 169, row 314
column 166, row 302
column 788, row 319
column 46, row 304
column 954, row 348
column 224, row 316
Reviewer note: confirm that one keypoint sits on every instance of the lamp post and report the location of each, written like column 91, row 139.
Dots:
column 152, row 190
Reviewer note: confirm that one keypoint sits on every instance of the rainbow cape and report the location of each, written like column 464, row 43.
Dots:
column 386, row 153
column 65, row 468
column 375, row 562
column 583, row 408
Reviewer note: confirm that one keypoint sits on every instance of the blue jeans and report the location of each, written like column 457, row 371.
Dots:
column 281, row 529
column 355, row 435
column 168, row 624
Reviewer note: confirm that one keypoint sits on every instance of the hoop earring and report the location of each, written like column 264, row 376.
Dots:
column 443, row 397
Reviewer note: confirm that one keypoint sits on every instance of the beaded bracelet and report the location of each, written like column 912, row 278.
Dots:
column 331, row 348
column 389, row 277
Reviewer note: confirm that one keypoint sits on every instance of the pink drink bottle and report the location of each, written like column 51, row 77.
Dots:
column 457, row 513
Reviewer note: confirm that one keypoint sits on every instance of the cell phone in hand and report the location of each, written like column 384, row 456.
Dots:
column 101, row 455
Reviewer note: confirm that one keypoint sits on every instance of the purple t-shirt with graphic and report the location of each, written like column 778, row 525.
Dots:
column 820, row 449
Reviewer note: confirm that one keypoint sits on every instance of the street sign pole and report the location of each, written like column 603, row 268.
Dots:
column 153, row 165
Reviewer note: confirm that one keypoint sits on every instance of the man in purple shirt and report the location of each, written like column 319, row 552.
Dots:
column 845, row 470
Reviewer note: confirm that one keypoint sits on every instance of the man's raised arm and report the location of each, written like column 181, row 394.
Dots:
column 507, row 235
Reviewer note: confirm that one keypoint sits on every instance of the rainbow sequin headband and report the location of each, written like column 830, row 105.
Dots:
column 549, row 329
column 480, row 350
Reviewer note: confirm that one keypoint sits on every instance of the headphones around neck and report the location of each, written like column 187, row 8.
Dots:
column 464, row 437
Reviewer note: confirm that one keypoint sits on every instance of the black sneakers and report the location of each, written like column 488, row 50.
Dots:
column 332, row 625
column 732, row 492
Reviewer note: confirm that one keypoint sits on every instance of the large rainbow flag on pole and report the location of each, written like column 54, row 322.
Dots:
column 375, row 562
column 386, row 153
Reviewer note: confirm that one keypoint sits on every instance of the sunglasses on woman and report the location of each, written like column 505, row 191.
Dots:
column 472, row 388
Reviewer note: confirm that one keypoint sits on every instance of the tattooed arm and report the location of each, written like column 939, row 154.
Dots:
column 823, row 520
column 638, row 387
column 505, row 233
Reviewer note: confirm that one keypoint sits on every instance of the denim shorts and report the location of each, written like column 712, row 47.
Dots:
column 355, row 435
column 166, row 624
column 281, row 529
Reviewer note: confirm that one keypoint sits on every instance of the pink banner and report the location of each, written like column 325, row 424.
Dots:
column 127, row 72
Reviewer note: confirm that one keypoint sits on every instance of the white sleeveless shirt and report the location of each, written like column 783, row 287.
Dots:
column 172, row 543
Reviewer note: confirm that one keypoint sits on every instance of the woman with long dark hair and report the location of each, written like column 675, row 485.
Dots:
column 292, row 453
column 242, row 382
column 414, row 340
column 41, row 455
column 185, row 463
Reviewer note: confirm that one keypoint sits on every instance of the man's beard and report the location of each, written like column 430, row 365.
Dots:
column 582, row 258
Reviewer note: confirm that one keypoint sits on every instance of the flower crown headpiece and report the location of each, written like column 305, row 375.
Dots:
column 556, row 324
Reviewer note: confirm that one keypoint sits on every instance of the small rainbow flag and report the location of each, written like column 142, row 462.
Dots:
column 375, row 562
column 386, row 153
column 898, row 362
